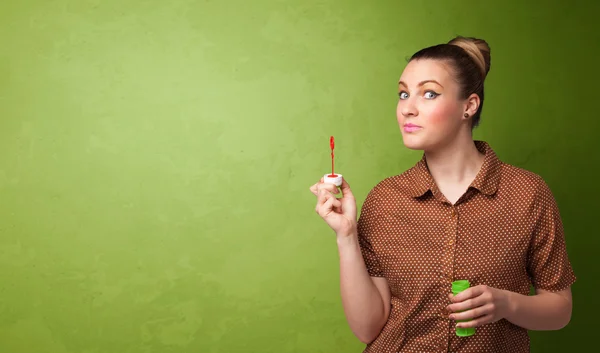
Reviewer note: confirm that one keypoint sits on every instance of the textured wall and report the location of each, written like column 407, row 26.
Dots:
column 155, row 159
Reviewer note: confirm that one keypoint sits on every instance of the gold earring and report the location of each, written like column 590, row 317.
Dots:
column 466, row 115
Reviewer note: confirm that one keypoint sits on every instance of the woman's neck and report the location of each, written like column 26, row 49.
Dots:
column 457, row 163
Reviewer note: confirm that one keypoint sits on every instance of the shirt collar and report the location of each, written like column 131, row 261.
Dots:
column 486, row 181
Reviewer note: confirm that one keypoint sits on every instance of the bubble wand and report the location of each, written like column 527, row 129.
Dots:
column 332, row 146
column 332, row 178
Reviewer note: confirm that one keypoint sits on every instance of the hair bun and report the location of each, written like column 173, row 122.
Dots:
column 478, row 50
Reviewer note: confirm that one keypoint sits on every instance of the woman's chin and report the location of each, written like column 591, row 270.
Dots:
column 412, row 142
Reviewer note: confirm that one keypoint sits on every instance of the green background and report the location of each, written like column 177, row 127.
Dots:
column 155, row 159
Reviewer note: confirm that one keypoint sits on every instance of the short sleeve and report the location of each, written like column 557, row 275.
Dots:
column 368, row 228
column 548, row 263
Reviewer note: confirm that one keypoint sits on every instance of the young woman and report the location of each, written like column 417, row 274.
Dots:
column 459, row 214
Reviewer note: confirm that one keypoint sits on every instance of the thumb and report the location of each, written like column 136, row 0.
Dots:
column 345, row 187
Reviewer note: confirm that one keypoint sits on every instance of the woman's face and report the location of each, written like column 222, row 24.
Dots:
column 430, row 112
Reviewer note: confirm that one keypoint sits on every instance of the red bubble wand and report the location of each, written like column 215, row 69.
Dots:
column 332, row 145
column 333, row 178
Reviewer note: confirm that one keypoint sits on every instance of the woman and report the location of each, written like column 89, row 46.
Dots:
column 459, row 213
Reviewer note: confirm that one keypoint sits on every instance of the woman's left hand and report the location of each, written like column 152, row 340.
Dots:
column 480, row 304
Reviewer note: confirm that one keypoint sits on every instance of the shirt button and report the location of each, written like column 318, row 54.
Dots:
column 453, row 213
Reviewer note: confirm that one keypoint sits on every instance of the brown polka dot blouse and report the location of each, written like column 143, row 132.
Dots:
column 504, row 232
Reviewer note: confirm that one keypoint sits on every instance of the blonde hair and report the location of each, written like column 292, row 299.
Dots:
column 478, row 50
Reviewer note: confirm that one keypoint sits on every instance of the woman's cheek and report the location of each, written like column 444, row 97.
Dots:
column 440, row 114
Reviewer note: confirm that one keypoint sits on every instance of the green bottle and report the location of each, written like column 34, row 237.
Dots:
column 457, row 287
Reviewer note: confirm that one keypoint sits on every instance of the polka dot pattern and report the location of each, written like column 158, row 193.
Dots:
column 504, row 232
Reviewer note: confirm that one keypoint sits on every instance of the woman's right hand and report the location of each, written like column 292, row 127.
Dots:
column 340, row 214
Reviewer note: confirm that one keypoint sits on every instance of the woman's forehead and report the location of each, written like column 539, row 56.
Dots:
column 418, row 71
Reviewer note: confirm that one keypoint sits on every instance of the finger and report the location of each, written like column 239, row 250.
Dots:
column 469, row 293
column 467, row 304
column 315, row 187
column 329, row 187
column 345, row 187
column 327, row 207
column 323, row 196
column 321, row 200
column 486, row 319
column 326, row 196
column 337, row 205
column 473, row 313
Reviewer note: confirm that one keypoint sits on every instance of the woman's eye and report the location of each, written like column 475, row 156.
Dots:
column 431, row 95
column 403, row 95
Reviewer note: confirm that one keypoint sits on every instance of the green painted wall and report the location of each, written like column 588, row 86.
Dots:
column 155, row 159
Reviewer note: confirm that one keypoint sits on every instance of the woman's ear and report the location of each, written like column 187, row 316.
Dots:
column 471, row 106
